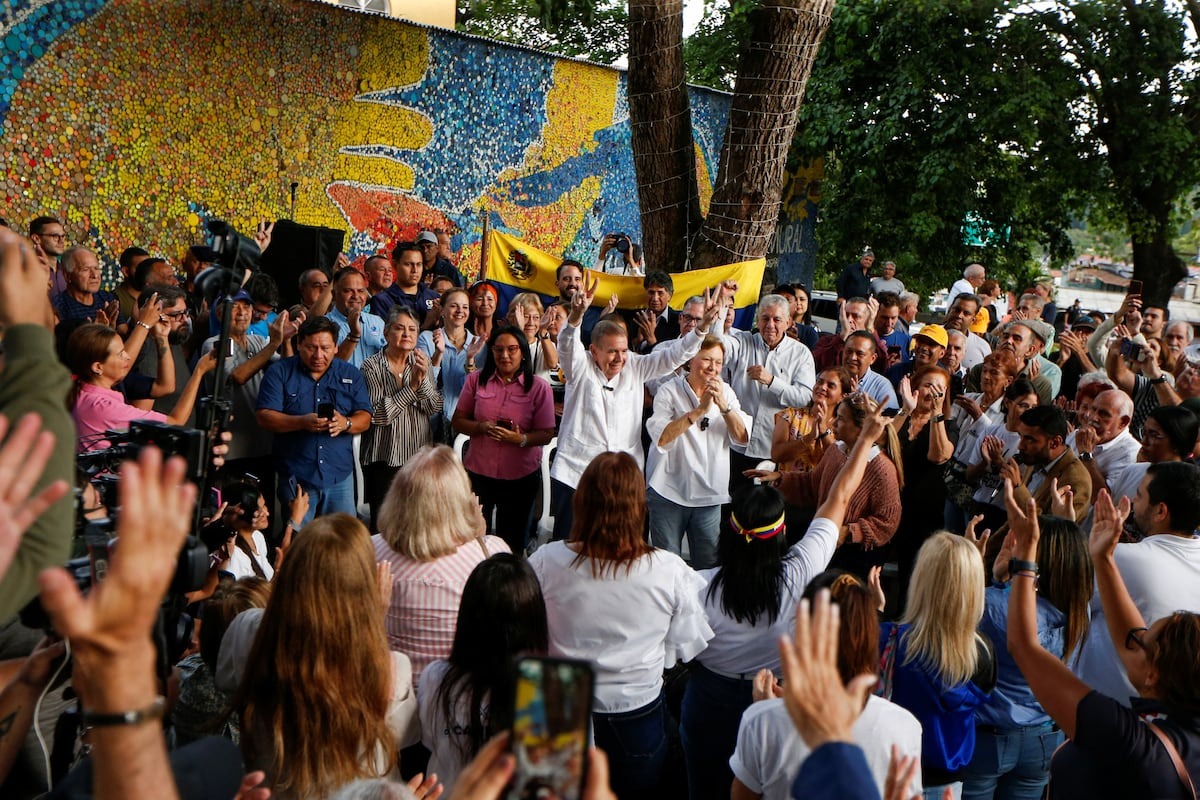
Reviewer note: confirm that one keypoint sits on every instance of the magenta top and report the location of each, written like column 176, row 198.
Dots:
column 98, row 410
column 529, row 411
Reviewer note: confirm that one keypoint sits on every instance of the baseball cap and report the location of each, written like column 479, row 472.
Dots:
column 427, row 236
column 934, row 333
column 1085, row 321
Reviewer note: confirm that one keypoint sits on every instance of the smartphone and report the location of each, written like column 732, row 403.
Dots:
column 216, row 497
column 552, row 706
column 325, row 410
column 891, row 412
column 508, row 424
column 293, row 485
column 893, row 351
column 1135, row 288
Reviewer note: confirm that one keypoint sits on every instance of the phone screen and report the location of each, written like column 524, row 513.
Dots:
column 325, row 410
column 551, row 710
column 1135, row 287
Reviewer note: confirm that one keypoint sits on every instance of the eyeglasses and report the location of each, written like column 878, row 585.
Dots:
column 690, row 318
column 57, row 236
column 176, row 314
column 261, row 313
column 512, row 350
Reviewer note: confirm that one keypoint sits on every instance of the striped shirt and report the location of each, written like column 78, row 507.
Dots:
column 423, row 614
column 399, row 414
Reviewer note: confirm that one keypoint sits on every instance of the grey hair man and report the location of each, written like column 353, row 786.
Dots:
column 972, row 278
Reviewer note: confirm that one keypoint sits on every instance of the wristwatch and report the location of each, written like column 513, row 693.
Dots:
column 349, row 424
column 1086, row 455
column 1159, row 379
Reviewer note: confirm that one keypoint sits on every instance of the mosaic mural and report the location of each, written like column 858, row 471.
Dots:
column 135, row 120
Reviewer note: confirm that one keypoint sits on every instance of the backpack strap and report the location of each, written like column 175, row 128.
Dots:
column 1176, row 759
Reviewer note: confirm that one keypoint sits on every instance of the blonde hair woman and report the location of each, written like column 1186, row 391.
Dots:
column 935, row 664
column 527, row 315
column 432, row 533
column 323, row 702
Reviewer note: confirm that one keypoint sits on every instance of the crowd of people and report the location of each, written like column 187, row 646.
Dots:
column 981, row 530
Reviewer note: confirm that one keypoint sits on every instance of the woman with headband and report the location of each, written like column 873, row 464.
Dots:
column 750, row 600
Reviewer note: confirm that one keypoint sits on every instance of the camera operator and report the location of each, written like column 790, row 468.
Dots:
column 620, row 256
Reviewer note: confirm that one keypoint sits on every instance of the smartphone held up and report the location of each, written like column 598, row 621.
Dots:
column 552, row 707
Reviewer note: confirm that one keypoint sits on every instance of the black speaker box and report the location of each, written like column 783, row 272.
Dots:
column 294, row 250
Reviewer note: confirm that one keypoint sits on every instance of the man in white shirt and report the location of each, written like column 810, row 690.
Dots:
column 1104, row 445
column 605, row 394
column 768, row 372
column 969, row 283
column 1161, row 572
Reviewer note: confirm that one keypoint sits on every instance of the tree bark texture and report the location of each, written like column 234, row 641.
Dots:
column 661, row 132
column 772, row 72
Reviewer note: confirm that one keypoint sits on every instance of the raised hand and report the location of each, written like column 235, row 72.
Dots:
column 993, row 449
column 907, row 399
column 1108, row 521
column 582, row 300
column 262, row 235
column 476, row 347
column 969, row 405
column 23, row 458
column 647, row 323
column 418, row 367
column 1085, row 439
column 1023, row 523
column 611, row 305
column 980, row 541
column 439, row 340
column 764, row 686
column 1011, row 471
column 1062, row 500
column 712, row 307
column 518, row 316
column 875, row 584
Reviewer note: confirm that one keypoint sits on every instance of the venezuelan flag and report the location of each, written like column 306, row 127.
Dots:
column 514, row 267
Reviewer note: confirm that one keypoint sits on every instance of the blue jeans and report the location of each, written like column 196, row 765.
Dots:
column 338, row 498
column 636, row 745
column 670, row 521
column 1010, row 765
column 708, row 726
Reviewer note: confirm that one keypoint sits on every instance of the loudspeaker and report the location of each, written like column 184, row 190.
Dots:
column 294, row 250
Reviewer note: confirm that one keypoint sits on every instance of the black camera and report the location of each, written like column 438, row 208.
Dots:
column 623, row 242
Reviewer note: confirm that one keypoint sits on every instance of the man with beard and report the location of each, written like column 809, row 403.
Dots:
column 1046, row 464
column 49, row 239
column 959, row 317
column 179, row 328
column 1161, row 572
column 360, row 334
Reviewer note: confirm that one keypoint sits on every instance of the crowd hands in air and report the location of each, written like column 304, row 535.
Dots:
column 890, row 560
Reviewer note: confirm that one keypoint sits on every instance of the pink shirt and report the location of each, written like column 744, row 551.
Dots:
column 98, row 410
column 531, row 410
column 423, row 615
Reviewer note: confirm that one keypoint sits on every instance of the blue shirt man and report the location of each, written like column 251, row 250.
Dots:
column 314, row 403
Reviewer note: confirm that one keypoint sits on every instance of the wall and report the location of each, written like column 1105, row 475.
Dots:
column 137, row 119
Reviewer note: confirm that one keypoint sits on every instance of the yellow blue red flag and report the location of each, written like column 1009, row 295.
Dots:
column 513, row 267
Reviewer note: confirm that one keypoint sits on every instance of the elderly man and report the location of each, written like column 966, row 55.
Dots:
column 959, row 317
column 888, row 282
column 689, row 318
column 314, row 283
column 956, row 348
column 314, row 403
column 972, row 278
column 1104, row 445
column 928, row 347
column 380, row 273
column 602, row 409
column 1019, row 338
column 360, row 334
column 83, row 298
column 1177, row 337
column 768, row 372
column 910, row 304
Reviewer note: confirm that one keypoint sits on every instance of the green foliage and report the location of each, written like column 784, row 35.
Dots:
column 711, row 53
column 593, row 29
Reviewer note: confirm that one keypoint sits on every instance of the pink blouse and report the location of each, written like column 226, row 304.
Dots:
column 99, row 410
column 531, row 410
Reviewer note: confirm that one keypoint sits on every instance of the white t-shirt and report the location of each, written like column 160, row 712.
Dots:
column 239, row 563
column 770, row 751
column 1162, row 574
column 738, row 648
column 631, row 626
column 443, row 737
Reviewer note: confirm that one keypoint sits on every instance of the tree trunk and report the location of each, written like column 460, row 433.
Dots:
column 772, row 73
column 1157, row 266
column 661, row 132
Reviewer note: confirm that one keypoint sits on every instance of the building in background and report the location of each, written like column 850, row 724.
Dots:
column 429, row 12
